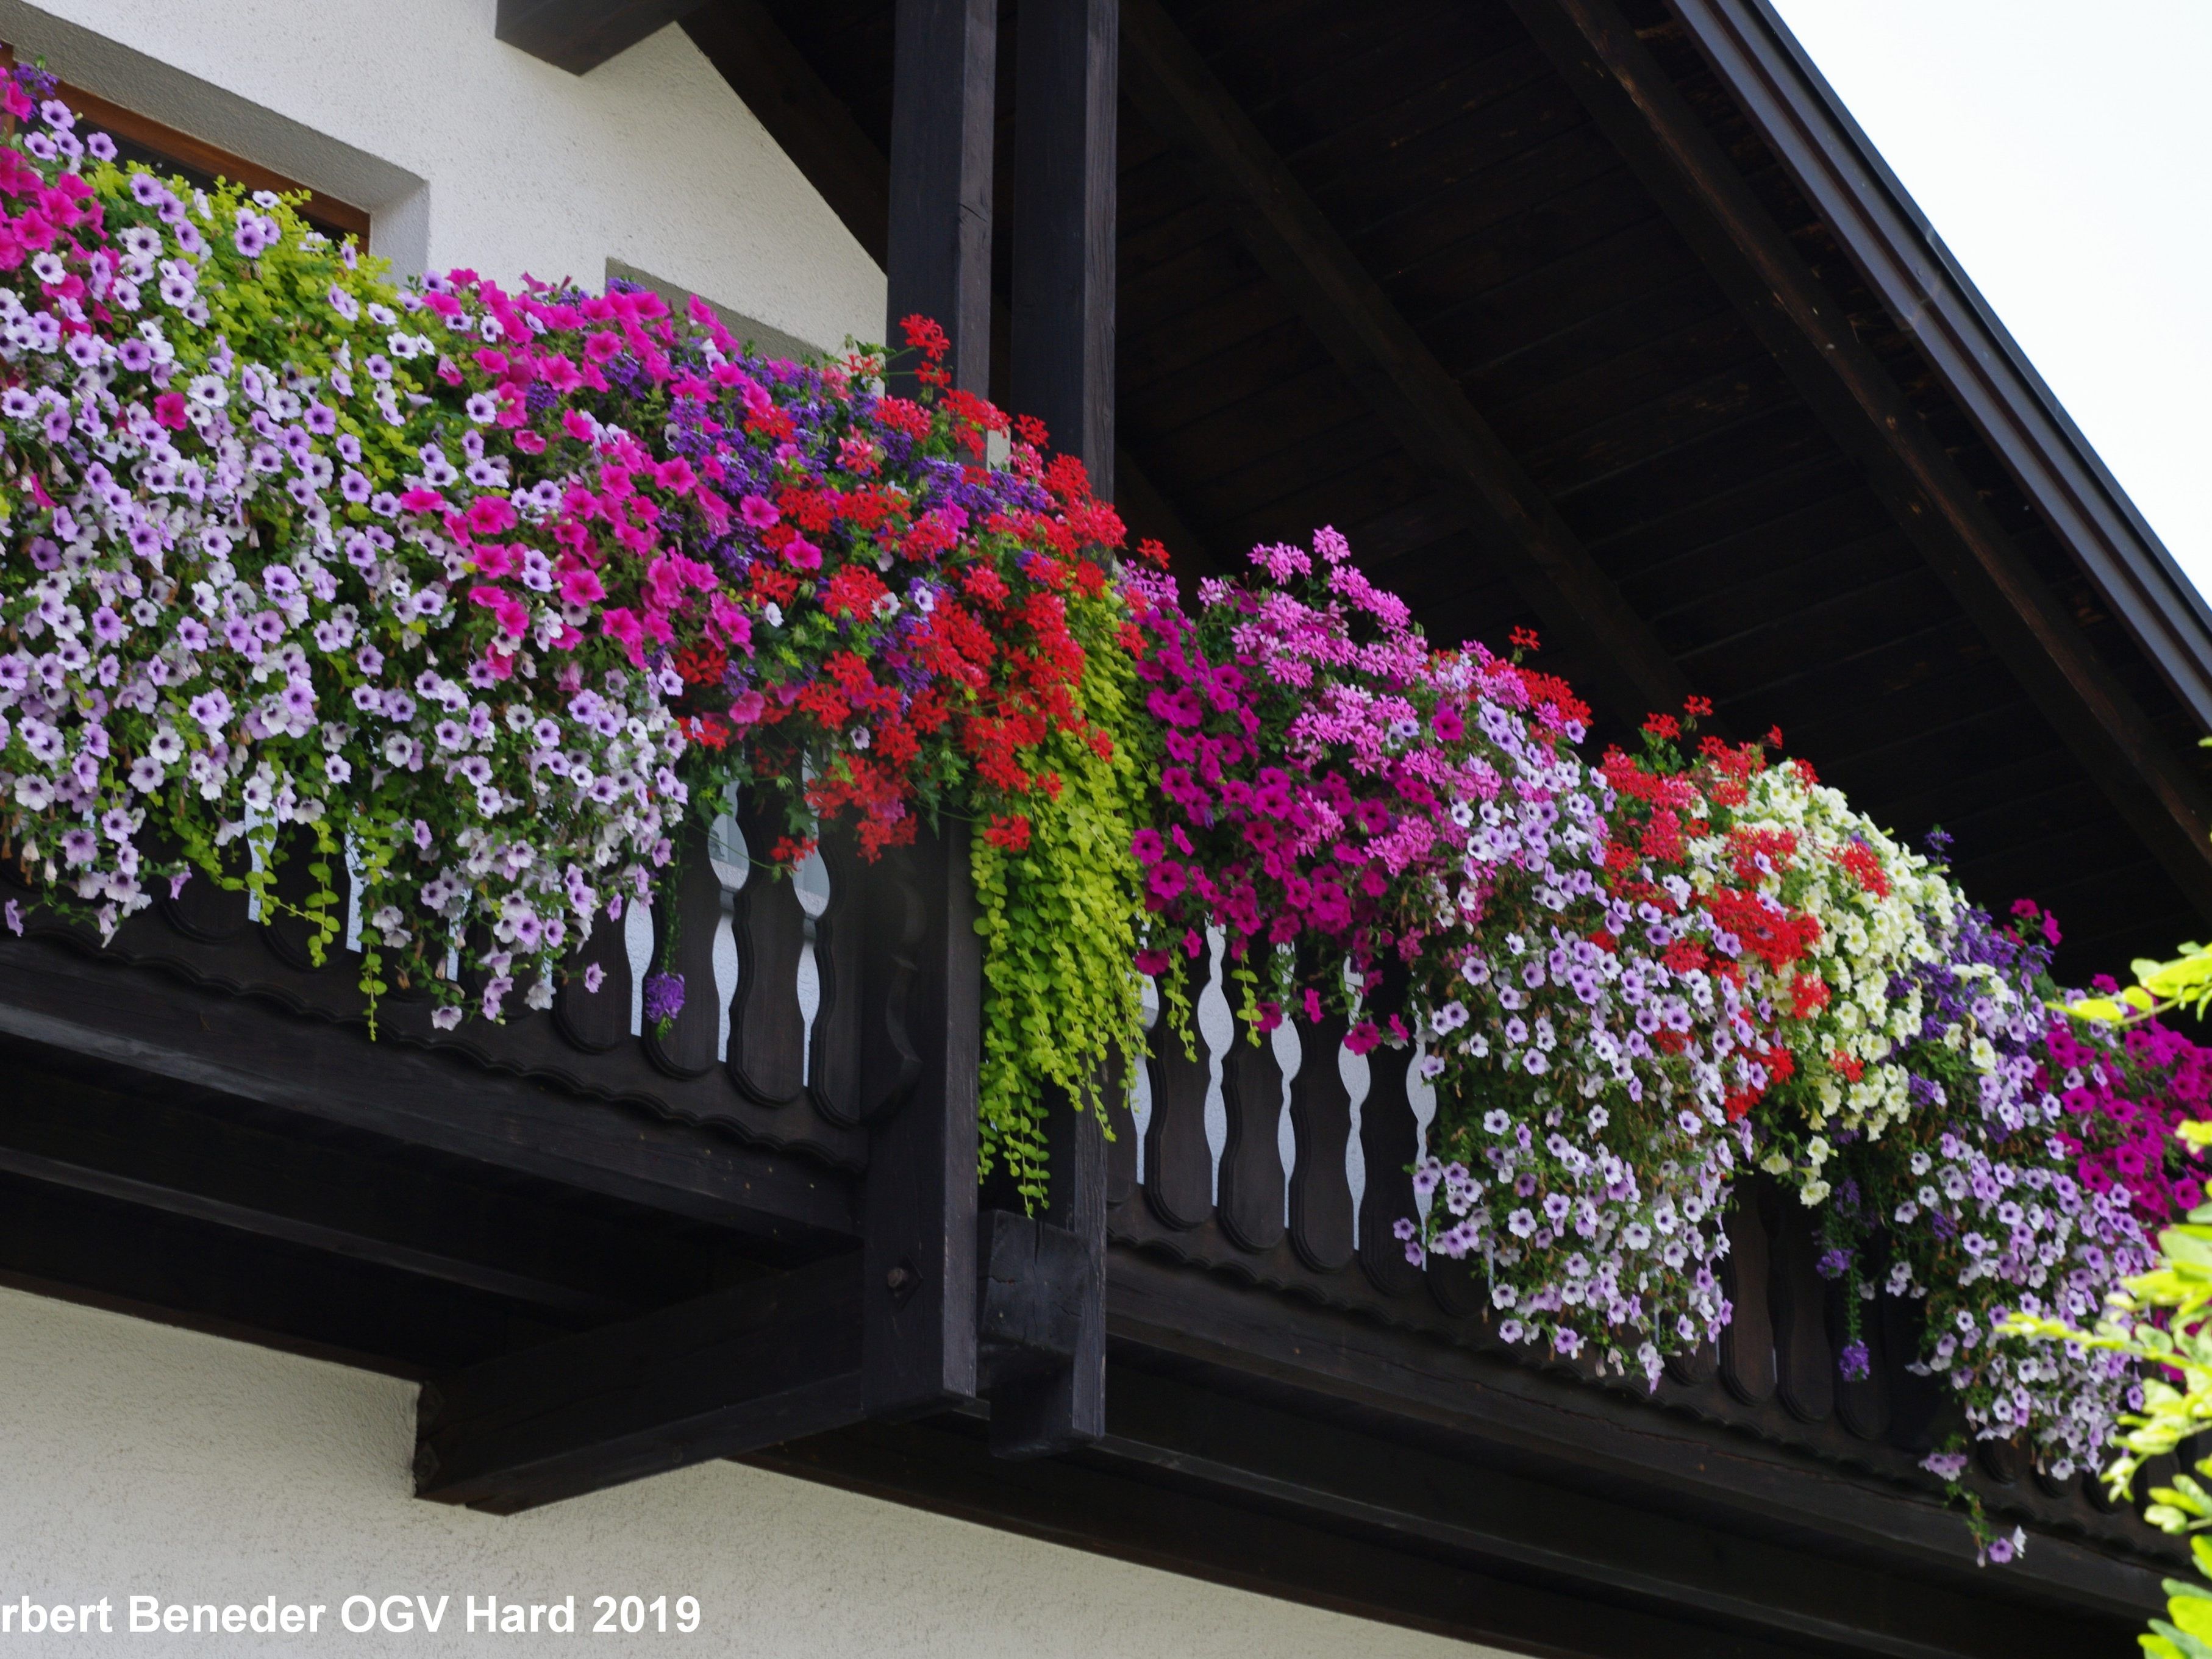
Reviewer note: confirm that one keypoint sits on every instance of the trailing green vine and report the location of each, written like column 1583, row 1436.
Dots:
column 1056, row 914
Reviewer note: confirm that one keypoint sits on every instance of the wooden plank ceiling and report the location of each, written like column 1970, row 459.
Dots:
column 1666, row 446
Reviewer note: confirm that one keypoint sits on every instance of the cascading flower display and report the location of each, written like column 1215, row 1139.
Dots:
column 1980, row 1206
column 1417, row 825
column 478, row 591
column 1823, row 914
column 484, row 595
column 2124, row 1092
column 260, row 540
column 1903, row 1090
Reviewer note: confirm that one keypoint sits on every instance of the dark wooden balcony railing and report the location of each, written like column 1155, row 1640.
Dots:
column 792, row 1031
column 1295, row 1186
column 824, row 1021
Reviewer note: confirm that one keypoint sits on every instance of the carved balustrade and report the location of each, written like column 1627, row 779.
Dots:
column 791, row 1032
column 1286, row 1165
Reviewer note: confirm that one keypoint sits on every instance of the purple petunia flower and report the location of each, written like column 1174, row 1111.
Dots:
column 664, row 996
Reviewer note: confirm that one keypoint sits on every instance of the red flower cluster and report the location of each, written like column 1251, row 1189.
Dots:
column 911, row 616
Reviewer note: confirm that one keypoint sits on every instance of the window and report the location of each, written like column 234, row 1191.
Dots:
column 138, row 138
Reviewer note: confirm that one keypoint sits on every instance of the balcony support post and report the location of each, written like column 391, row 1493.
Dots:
column 937, row 254
column 1067, row 69
column 918, row 1199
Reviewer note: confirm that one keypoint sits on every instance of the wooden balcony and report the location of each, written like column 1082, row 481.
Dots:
column 612, row 1249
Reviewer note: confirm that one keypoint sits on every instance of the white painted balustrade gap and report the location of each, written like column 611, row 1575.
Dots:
column 810, row 882
column 1217, row 1028
column 1140, row 1096
column 1290, row 1054
column 732, row 862
column 637, row 946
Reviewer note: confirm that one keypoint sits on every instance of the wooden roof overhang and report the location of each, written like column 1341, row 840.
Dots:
column 1562, row 323
column 1606, row 318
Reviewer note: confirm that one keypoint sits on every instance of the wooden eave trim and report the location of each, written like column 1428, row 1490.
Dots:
column 1637, row 106
column 1931, row 299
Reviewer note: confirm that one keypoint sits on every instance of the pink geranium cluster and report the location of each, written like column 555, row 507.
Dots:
column 1322, row 767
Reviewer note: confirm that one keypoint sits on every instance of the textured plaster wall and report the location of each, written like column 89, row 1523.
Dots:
column 468, row 152
column 137, row 1459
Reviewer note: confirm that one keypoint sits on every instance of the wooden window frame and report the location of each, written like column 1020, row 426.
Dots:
column 120, row 122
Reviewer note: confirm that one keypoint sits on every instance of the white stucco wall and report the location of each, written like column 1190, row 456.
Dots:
column 468, row 152
column 140, row 1459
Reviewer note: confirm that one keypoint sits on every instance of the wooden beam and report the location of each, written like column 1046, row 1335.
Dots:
column 815, row 130
column 769, row 1360
column 938, row 247
column 206, row 1160
column 918, row 1199
column 1067, row 118
column 1167, row 1318
column 1639, row 108
column 103, row 1010
column 1053, row 1266
column 285, row 1225
column 156, row 1264
column 580, row 35
column 1388, row 362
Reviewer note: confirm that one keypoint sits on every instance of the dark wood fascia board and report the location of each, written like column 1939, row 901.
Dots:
column 580, row 35
column 773, row 1359
column 1329, row 1513
column 1601, row 1438
column 285, row 1220
column 1929, row 296
column 142, row 1023
column 1091, row 1502
column 1387, row 361
column 569, row 1259
column 1660, row 136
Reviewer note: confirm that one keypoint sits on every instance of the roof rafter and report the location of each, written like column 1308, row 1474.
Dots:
column 1386, row 360
column 1639, row 108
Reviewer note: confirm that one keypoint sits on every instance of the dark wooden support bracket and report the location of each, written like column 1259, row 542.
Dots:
column 764, row 1362
column 885, row 1331
column 918, row 1199
column 1384, row 357
column 1042, row 1311
column 944, row 79
column 1659, row 135
column 580, row 35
